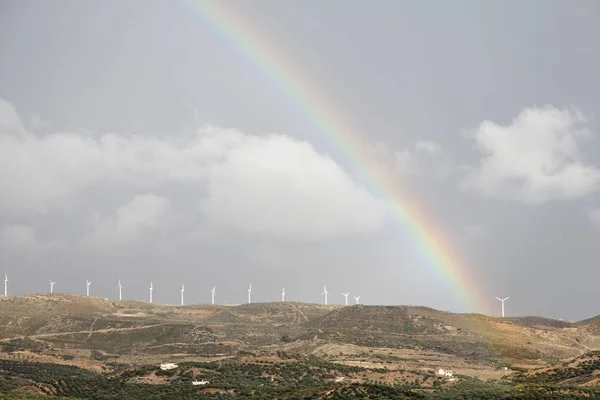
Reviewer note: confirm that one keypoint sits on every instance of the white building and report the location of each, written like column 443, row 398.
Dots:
column 441, row 372
column 167, row 366
column 202, row 382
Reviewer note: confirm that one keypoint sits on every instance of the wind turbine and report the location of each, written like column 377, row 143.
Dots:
column 250, row 294
column 502, row 300
column 120, row 290
column 182, row 290
column 87, row 287
column 356, row 298
column 151, row 292
column 282, row 295
column 212, row 294
column 325, row 292
column 346, row 296
column 52, row 286
column 5, row 284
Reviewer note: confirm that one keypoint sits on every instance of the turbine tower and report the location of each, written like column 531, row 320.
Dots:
column 87, row 287
column 282, row 295
column 151, row 291
column 182, row 290
column 120, row 290
column 356, row 298
column 346, row 297
column 325, row 292
column 52, row 286
column 5, row 284
column 502, row 300
column 250, row 294
column 212, row 294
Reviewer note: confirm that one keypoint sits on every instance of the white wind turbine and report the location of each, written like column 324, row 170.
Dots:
column 250, row 294
column 182, row 290
column 325, row 292
column 346, row 297
column 87, row 287
column 151, row 288
column 282, row 295
column 120, row 290
column 212, row 294
column 5, row 284
column 502, row 300
column 356, row 299
column 52, row 286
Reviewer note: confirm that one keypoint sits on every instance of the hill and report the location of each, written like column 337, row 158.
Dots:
column 591, row 325
column 91, row 330
column 539, row 322
column 469, row 336
column 580, row 371
column 397, row 319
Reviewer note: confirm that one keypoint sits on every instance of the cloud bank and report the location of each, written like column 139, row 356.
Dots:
column 271, row 185
column 535, row 159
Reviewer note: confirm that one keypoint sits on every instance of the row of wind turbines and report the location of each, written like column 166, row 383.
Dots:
column 212, row 292
column 151, row 289
column 326, row 293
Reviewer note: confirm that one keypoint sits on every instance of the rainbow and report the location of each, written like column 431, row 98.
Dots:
column 259, row 51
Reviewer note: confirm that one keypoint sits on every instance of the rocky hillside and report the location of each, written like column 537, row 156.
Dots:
column 591, row 325
column 82, row 326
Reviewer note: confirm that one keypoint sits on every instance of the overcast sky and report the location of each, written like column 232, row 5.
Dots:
column 136, row 143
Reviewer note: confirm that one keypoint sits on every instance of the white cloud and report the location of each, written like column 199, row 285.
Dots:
column 36, row 122
column 277, row 185
column 594, row 215
column 414, row 160
column 534, row 159
column 10, row 122
column 271, row 185
column 398, row 160
column 474, row 232
column 429, row 147
column 132, row 222
column 38, row 173
column 20, row 237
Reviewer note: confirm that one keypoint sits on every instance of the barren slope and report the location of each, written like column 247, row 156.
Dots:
column 80, row 325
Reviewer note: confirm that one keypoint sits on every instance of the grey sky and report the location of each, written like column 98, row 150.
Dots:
column 487, row 109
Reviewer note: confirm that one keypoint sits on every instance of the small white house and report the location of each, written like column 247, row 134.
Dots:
column 442, row 372
column 167, row 366
column 340, row 378
column 202, row 382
